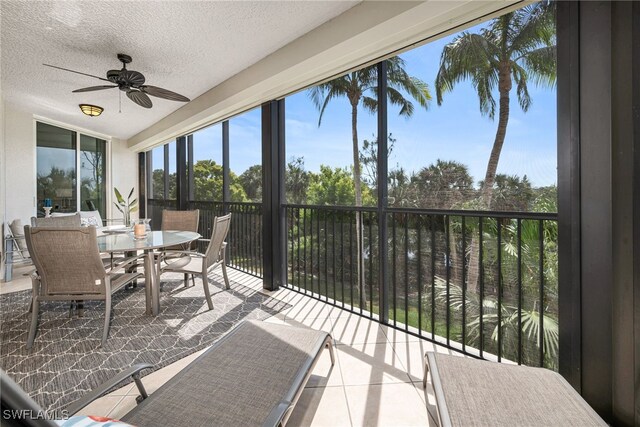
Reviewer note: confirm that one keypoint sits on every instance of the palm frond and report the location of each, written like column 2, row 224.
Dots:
column 541, row 63
column 520, row 76
column 471, row 57
column 396, row 98
column 534, row 26
column 370, row 104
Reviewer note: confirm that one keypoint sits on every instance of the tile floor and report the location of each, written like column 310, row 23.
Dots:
column 376, row 381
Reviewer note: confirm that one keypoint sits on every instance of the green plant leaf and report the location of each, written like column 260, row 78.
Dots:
column 118, row 196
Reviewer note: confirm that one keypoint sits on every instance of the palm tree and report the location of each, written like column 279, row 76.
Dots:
column 362, row 86
column 515, row 48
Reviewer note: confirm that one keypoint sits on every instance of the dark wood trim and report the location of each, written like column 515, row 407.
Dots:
column 182, row 191
column 622, row 214
column 569, row 200
column 596, row 204
column 190, row 180
column 165, row 192
column 635, row 81
column 226, row 193
column 273, row 223
column 142, row 184
column 382, row 173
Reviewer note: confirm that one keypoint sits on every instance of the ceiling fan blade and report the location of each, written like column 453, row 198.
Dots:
column 140, row 98
column 92, row 88
column 77, row 72
column 164, row 93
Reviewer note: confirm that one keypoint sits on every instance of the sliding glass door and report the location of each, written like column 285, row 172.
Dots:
column 61, row 153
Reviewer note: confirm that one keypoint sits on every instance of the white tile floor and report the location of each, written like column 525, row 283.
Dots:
column 376, row 381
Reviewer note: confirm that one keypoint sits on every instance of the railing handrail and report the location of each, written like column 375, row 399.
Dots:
column 551, row 216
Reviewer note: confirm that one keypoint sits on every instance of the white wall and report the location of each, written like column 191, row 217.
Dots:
column 124, row 173
column 19, row 157
column 20, row 167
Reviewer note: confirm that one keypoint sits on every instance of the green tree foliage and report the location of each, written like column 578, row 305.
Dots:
column 157, row 183
column 296, row 181
column 512, row 193
column 369, row 159
column 334, row 186
column 443, row 185
column 207, row 182
column 251, row 182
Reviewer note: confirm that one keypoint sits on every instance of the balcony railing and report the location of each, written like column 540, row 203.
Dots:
column 244, row 250
column 484, row 283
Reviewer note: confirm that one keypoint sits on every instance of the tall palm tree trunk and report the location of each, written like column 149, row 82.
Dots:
column 357, row 182
column 504, row 86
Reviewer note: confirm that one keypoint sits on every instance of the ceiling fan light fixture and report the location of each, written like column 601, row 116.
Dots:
column 91, row 110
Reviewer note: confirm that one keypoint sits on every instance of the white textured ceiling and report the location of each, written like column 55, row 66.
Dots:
column 184, row 46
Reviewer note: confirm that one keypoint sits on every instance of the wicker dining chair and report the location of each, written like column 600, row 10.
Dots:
column 192, row 263
column 69, row 268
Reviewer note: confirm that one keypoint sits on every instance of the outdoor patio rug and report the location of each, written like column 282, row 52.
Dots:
column 66, row 360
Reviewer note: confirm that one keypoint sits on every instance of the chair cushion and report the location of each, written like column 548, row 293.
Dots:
column 90, row 218
column 91, row 421
column 194, row 265
column 471, row 392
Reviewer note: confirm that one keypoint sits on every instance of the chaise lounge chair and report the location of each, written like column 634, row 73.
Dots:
column 472, row 392
column 253, row 376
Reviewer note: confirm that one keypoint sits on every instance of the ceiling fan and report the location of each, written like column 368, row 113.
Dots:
column 131, row 82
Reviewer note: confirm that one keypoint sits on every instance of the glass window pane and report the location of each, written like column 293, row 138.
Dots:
column 207, row 164
column 172, row 194
column 56, row 168
column 157, row 177
column 93, row 174
column 245, row 157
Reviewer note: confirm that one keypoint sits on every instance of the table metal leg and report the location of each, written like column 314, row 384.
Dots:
column 152, row 291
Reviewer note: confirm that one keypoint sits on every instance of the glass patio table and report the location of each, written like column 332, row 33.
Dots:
column 125, row 242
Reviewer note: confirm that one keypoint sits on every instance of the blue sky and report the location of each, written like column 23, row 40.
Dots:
column 454, row 131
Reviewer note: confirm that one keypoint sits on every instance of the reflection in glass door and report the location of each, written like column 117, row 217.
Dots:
column 56, row 170
column 93, row 177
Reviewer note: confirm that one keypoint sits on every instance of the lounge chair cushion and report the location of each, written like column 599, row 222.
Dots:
column 471, row 392
column 240, row 381
column 17, row 229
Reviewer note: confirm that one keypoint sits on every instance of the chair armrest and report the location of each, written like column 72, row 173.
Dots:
column 204, row 240
column 184, row 253
column 103, row 388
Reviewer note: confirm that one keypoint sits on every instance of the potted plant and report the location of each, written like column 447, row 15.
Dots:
column 126, row 206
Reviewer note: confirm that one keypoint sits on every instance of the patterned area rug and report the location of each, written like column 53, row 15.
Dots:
column 66, row 360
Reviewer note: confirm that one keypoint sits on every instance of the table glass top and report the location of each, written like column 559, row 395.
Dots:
column 153, row 240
